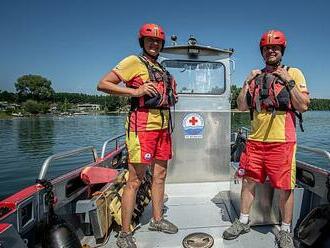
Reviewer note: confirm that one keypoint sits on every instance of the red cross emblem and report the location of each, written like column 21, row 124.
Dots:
column 193, row 120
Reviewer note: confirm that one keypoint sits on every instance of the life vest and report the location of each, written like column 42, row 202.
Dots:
column 165, row 86
column 268, row 92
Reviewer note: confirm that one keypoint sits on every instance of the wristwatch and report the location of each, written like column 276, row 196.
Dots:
column 291, row 84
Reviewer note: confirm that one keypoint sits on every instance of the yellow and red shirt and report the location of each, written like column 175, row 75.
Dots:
column 133, row 72
column 280, row 127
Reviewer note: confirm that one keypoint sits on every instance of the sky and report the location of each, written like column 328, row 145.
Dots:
column 74, row 43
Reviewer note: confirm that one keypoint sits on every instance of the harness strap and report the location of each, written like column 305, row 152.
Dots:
column 162, row 117
column 297, row 114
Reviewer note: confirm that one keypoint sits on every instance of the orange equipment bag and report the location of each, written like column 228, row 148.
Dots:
column 95, row 175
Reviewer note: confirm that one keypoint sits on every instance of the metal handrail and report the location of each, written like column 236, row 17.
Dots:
column 244, row 130
column 61, row 155
column 116, row 138
column 316, row 150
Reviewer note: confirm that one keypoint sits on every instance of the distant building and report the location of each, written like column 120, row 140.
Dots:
column 3, row 105
column 11, row 106
column 87, row 107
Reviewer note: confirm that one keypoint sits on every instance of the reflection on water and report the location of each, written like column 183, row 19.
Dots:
column 35, row 135
column 27, row 142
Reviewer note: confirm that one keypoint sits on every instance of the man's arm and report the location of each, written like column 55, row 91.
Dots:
column 109, row 84
column 241, row 99
column 300, row 100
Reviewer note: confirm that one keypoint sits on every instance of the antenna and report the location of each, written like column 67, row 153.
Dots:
column 192, row 41
column 174, row 38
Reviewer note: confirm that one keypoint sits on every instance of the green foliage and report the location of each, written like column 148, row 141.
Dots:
column 37, row 93
column 234, row 94
column 4, row 115
column 7, row 96
column 34, row 87
column 319, row 104
column 34, row 107
column 108, row 103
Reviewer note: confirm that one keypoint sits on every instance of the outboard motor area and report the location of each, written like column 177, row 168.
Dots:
column 201, row 136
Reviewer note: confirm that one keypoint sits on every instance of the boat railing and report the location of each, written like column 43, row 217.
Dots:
column 61, row 155
column 116, row 140
column 316, row 150
column 245, row 131
column 312, row 167
column 312, row 176
column 242, row 131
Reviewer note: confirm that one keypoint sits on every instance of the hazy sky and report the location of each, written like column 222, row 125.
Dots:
column 74, row 43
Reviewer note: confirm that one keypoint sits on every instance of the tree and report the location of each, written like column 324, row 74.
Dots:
column 7, row 96
column 234, row 94
column 34, row 107
column 34, row 87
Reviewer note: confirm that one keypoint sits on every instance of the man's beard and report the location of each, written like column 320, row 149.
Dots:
column 274, row 63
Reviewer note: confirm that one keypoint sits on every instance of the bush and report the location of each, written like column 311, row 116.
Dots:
column 34, row 107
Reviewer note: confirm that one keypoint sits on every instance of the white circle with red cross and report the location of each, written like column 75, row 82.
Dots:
column 193, row 125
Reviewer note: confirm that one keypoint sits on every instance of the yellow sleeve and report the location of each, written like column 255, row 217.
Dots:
column 299, row 78
column 128, row 68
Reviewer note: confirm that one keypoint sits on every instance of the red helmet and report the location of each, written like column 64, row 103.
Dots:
column 151, row 30
column 273, row 37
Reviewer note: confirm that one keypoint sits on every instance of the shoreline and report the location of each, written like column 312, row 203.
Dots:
column 4, row 116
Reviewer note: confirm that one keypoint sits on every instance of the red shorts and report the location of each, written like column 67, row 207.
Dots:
column 273, row 159
column 146, row 146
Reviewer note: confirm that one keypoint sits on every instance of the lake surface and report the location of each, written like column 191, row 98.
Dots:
column 27, row 142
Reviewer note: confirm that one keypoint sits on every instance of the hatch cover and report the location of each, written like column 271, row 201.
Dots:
column 198, row 240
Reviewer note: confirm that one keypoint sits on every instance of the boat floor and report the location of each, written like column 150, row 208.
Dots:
column 197, row 207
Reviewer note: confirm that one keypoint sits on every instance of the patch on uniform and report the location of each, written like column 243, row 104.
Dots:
column 193, row 126
column 240, row 172
column 147, row 156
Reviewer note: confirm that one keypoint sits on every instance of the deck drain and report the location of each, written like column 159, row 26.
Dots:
column 198, row 240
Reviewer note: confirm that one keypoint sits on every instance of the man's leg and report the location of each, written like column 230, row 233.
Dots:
column 281, row 172
column 136, row 175
column 158, row 223
column 284, row 238
column 286, row 206
column 247, row 195
column 241, row 226
column 159, row 170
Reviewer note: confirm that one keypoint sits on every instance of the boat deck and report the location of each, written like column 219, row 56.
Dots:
column 197, row 207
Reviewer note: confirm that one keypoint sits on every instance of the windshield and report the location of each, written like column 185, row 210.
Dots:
column 197, row 77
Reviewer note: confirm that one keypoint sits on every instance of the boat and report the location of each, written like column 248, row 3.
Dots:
column 202, row 192
column 19, row 114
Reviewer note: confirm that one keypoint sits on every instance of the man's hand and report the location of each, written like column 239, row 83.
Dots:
column 283, row 74
column 252, row 75
column 148, row 88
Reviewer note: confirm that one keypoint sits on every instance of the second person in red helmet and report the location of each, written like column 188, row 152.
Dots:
column 274, row 95
column 151, row 89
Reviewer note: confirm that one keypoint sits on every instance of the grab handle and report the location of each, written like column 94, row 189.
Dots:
column 61, row 155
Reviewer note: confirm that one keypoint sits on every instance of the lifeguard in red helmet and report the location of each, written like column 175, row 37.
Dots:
column 275, row 95
column 151, row 89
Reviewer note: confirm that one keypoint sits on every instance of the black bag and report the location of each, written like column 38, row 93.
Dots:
column 314, row 229
column 238, row 147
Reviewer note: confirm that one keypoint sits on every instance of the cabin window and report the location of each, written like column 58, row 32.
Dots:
column 197, row 77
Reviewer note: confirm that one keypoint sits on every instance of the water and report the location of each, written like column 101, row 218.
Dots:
column 27, row 142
